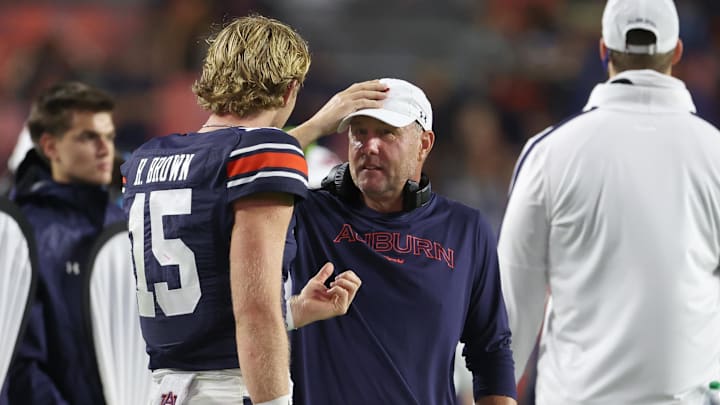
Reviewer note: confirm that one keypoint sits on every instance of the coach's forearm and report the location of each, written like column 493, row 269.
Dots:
column 306, row 133
column 297, row 314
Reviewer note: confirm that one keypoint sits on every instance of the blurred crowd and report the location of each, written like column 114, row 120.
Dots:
column 496, row 71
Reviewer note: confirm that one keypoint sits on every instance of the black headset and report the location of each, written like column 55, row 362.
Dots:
column 339, row 182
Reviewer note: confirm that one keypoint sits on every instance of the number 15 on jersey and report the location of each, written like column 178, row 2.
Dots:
column 167, row 252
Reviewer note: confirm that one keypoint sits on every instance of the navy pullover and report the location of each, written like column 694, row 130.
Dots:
column 429, row 279
column 55, row 363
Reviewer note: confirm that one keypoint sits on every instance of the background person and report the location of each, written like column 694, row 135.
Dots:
column 61, row 189
column 615, row 213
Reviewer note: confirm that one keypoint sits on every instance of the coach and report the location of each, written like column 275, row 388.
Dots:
column 428, row 267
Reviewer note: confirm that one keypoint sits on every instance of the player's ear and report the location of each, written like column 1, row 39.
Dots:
column 47, row 145
column 291, row 91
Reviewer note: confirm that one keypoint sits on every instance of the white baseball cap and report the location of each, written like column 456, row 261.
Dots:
column 657, row 16
column 405, row 104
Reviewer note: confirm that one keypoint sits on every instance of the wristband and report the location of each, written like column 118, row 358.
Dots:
column 283, row 400
column 289, row 322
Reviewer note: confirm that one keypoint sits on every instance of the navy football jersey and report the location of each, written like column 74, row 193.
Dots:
column 429, row 279
column 178, row 197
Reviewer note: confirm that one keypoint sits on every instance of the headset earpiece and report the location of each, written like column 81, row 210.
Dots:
column 339, row 182
column 416, row 194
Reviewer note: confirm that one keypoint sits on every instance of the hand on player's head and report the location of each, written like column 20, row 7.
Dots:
column 369, row 94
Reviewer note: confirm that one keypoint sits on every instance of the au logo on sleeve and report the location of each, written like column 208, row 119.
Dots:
column 168, row 399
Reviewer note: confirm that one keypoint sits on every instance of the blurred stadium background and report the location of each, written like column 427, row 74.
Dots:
column 496, row 71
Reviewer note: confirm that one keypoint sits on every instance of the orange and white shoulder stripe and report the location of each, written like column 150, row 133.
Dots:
column 264, row 160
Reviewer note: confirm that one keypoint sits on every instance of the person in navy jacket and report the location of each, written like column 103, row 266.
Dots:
column 428, row 267
column 60, row 187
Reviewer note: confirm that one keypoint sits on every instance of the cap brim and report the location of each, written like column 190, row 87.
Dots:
column 386, row 116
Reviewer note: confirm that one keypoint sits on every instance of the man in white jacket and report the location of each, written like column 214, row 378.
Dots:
column 615, row 215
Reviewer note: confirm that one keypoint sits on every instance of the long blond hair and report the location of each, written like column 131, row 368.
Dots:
column 249, row 66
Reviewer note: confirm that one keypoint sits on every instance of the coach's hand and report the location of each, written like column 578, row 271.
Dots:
column 317, row 302
column 361, row 95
